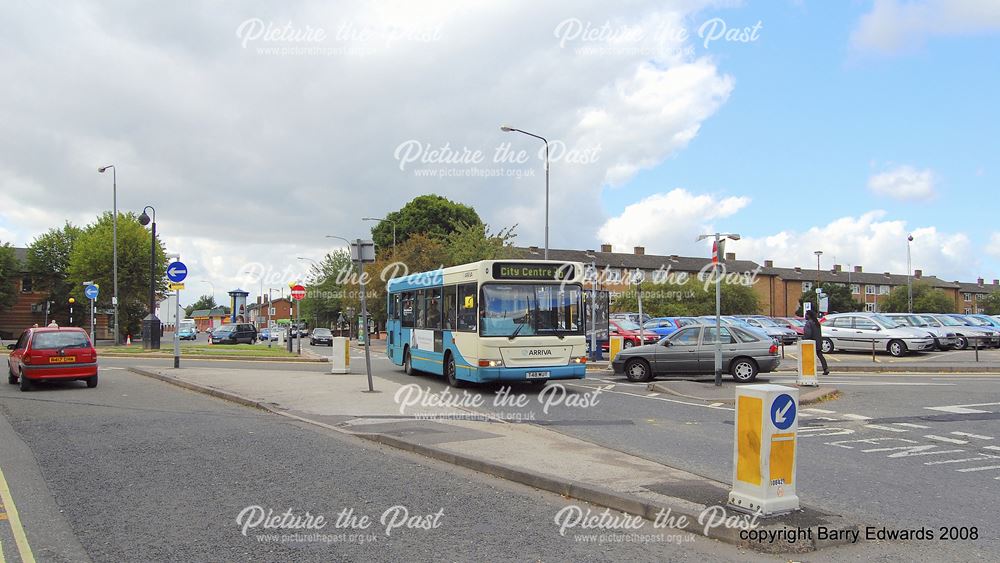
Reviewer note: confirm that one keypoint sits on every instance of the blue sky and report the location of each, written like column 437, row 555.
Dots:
column 812, row 117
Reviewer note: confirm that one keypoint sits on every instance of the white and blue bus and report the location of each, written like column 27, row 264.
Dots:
column 494, row 320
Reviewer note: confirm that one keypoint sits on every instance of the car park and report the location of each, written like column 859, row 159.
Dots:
column 691, row 351
column 635, row 318
column 872, row 331
column 239, row 333
column 734, row 322
column 797, row 325
column 944, row 338
column 782, row 334
column 321, row 336
column 52, row 353
column 629, row 332
column 665, row 326
column 967, row 335
column 992, row 333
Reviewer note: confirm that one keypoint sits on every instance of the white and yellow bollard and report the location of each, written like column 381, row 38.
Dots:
column 764, row 456
column 615, row 345
column 807, row 364
column 340, row 355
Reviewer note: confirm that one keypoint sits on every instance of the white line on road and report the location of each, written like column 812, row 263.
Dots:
column 976, row 436
column 857, row 417
column 880, row 427
column 962, row 409
column 943, row 439
column 908, row 425
column 982, row 457
column 821, row 411
column 995, row 448
column 971, row 469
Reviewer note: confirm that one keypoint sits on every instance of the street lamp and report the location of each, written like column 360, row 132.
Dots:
column 909, row 276
column 718, row 300
column 364, row 303
column 114, row 240
column 151, row 324
column 508, row 129
column 393, row 229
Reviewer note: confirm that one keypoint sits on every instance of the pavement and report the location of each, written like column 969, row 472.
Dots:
column 450, row 426
column 726, row 393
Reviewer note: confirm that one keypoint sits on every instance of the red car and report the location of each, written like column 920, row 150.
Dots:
column 629, row 332
column 50, row 354
column 794, row 323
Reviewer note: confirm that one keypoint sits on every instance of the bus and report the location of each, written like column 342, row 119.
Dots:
column 490, row 321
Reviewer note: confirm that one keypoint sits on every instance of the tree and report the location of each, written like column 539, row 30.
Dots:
column 926, row 299
column 471, row 243
column 203, row 302
column 841, row 300
column 324, row 300
column 692, row 298
column 92, row 259
column 48, row 262
column 430, row 215
column 9, row 269
column 991, row 303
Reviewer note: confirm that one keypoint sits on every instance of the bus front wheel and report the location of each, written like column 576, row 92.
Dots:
column 408, row 363
column 451, row 372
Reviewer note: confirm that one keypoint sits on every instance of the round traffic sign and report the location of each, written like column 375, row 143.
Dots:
column 177, row 271
column 298, row 292
column 783, row 411
column 91, row 291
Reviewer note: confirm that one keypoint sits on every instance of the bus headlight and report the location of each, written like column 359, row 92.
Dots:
column 491, row 363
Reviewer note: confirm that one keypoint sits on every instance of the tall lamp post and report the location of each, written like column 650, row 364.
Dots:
column 151, row 324
column 718, row 299
column 359, row 244
column 909, row 276
column 114, row 241
column 387, row 220
column 507, row 129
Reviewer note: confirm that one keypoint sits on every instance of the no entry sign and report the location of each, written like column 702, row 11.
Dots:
column 298, row 292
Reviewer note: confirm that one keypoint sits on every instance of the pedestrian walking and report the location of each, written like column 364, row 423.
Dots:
column 814, row 331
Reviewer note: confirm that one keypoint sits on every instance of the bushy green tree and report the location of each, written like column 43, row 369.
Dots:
column 991, row 304
column 840, row 299
column 471, row 243
column 203, row 302
column 92, row 259
column 926, row 299
column 48, row 261
column 430, row 215
column 692, row 298
column 9, row 269
column 326, row 290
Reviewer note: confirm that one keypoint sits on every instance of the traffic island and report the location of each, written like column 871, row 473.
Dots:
column 521, row 452
column 726, row 393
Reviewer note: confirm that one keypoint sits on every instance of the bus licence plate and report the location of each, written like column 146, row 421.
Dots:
column 537, row 374
column 62, row 359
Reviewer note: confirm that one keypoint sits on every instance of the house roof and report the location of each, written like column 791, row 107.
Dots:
column 216, row 312
column 966, row 287
column 867, row 278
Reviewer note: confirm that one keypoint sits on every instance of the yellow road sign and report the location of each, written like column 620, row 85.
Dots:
column 176, row 286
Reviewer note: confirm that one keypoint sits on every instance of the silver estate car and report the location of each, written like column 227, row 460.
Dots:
column 944, row 337
column 859, row 331
column 691, row 351
column 780, row 333
column 982, row 336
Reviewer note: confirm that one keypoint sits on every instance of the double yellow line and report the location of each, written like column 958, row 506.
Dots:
column 11, row 515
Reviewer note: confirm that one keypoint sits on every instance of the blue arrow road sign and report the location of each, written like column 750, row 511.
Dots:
column 783, row 412
column 91, row 291
column 176, row 272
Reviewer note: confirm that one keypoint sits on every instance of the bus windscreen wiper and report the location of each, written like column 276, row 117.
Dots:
column 516, row 331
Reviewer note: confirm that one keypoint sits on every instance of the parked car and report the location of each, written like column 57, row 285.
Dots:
column 782, row 334
column 962, row 331
column 797, row 325
column 691, row 351
column 321, row 336
column 734, row 322
column 52, row 353
column 944, row 338
column 629, row 332
column 187, row 333
column 266, row 334
column 661, row 326
column 859, row 331
column 991, row 332
column 630, row 317
column 240, row 333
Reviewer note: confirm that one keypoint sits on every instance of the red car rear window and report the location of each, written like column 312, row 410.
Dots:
column 57, row 340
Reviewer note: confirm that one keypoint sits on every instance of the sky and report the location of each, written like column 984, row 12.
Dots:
column 256, row 129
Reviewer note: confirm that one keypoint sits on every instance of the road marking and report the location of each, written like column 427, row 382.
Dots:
column 857, row 417
column 996, row 448
column 943, row 439
column 888, row 428
column 653, row 395
column 821, row 411
column 20, row 538
column 716, row 404
column 908, row 425
column 966, row 460
column 976, row 436
column 963, row 409
column 971, row 469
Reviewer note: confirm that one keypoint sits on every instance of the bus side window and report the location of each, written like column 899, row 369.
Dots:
column 468, row 310
column 407, row 306
column 420, row 299
column 450, row 311
column 434, row 309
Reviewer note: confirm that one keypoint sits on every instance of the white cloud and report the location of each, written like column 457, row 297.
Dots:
column 668, row 223
column 993, row 248
column 893, row 26
column 240, row 151
column 871, row 241
column 904, row 183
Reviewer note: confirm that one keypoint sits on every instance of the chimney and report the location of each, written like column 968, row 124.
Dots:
column 996, row 282
column 837, row 268
column 639, row 250
column 533, row 249
column 768, row 263
column 674, row 257
column 590, row 252
column 980, row 281
column 918, row 273
column 886, row 274
column 605, row 248
column 857, row 269
column 730, row 256
column 798, row 270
